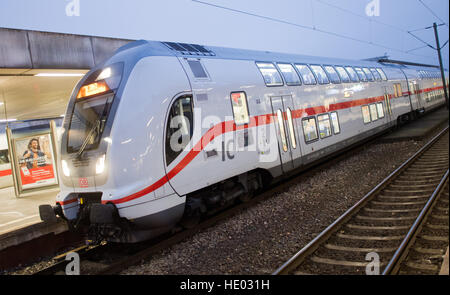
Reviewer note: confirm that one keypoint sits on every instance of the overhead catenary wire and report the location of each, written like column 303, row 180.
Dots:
column 306, row 27
column 432, row 12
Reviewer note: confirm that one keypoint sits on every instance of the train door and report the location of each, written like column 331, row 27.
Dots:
column 418, row 96
column 387, row 103
column 289, row 148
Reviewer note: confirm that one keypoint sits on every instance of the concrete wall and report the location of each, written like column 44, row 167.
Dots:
column 22, row 49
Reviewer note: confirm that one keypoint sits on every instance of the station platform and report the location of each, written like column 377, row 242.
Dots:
column 419, row 128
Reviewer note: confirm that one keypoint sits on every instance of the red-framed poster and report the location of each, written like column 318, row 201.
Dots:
column 35, row 161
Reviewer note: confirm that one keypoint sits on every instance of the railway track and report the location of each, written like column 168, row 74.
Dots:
column 393, row 229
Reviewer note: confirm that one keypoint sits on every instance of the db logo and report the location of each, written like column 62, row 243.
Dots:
column 83, row 182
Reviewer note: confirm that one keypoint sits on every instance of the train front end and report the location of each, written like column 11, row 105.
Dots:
column 110, row 150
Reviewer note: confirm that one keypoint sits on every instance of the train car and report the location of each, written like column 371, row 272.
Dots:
column 164, row 133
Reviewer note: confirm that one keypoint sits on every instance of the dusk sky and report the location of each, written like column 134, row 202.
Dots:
column 354, row 29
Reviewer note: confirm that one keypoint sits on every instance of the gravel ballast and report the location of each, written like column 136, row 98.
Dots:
column 261, row 238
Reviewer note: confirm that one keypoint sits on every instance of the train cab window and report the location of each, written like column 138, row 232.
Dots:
column 373, row 112
column 365, row 114
column 375, row 74
column 380, row 110
column 368, row 74
column 310, row 129
column 352, row 74
column 382, row 74
column 270, row 74
column 307, row 75
column 320, row 74
column 332, row 74
column 324, row 125
column 361, row 74
column 240, row 109
column 180, row 126
column 345, row 78
column 289, row 74
column 335, row 122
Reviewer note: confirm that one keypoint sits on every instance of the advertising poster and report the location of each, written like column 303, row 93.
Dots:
column 35, row 158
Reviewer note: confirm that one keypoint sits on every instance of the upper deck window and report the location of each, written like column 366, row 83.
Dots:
column 307, row 75
column 320, row 74
column 334, row 77
column 289, row 74
column 376, row 74
column 270, row 74
column 361, row 74
column 368, row 74
column 383, row 75
column 343, row 74
column 352, row 74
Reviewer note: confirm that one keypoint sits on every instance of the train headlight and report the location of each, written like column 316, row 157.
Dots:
column 65, row 168
column 100, row 165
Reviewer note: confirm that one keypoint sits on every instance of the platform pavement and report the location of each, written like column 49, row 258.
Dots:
column 16, row 213
column 419, row 128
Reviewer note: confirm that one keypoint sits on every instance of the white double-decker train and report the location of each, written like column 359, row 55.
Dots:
column 163, row 133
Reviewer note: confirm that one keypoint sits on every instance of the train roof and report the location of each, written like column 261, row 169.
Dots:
column 196, row 51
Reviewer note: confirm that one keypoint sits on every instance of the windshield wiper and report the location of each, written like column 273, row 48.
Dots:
column 94, row 130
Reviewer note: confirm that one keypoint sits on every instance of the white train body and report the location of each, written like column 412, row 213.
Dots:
column 132, row 187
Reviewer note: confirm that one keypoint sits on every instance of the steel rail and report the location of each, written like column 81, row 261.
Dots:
column 402, row 251
column 312, row 246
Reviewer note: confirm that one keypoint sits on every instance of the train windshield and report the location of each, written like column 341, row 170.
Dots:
column 88, row 122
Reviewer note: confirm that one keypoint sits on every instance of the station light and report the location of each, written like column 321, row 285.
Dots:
column 59, row 75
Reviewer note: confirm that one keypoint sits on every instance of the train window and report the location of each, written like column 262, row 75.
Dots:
column 291, row 128
column 324, row 125
column 307, row 75
column 180, row 126
column 343, row 74
column 332, row 74
column 240, row 109
column 380, row 110
column 368, row 74
column 398, row 90
column 270, row 74
column 197, row 68
column 366, row 114
column 335, row 122
column 375, row 74
column 4, row 157
column 320, row 74
column 282, row 131
column 361, row 74
column 382, row 74
column 373, row 112
column 289, row 74
column 310, row 129
column 352, row 74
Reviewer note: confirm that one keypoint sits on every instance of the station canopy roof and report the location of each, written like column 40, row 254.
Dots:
column 38, row 70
